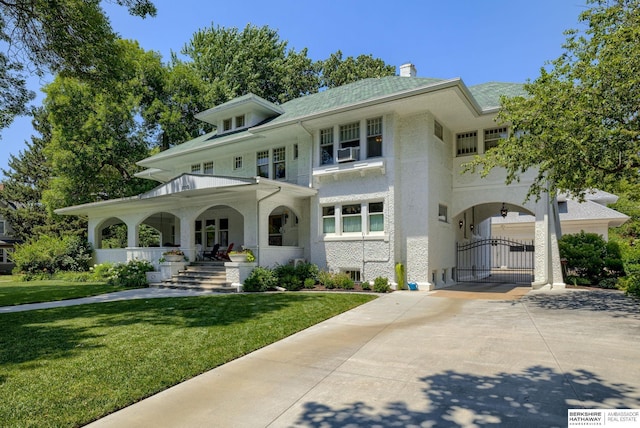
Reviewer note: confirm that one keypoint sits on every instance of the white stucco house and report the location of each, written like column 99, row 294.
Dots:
column 356, row 179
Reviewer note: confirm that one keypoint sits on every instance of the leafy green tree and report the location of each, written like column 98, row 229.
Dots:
column 93, row 156
column 336, row 71
column 27, row 177
column 63, row 36
column 579, row 125
column 234, row 62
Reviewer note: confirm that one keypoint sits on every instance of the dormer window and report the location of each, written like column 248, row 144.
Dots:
column 226, row 125
column 240, row 121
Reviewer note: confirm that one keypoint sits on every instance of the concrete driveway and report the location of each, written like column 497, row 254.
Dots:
column 423, row 359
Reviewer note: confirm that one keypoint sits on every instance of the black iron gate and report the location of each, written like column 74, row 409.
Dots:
column 495, row 260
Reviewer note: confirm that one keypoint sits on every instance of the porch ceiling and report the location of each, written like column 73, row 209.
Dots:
column 187, row 186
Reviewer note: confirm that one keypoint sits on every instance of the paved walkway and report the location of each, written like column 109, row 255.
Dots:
column 138, row 293
column 423, row 359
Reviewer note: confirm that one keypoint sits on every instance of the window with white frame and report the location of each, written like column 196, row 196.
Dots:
column 262, row 164
column 350, row 135
column 442, row 213
column 351, row 218
column 226, row 125
column 326, row 146
column 374, row 137
column 467, row 143
column 237, row 162
column 208, row 167
column 329, row 219
column 493, row 136
column 196, row 168
column 376, row 217
column 279, row 163
column 240, row 121
column 438, row 131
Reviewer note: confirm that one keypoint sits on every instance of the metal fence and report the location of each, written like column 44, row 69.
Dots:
column 495, row 260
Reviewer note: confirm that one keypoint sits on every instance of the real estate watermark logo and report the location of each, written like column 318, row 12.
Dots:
column 616, row 418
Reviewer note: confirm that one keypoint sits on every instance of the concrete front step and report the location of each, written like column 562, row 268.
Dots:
column 199, row 287
column 207, row 276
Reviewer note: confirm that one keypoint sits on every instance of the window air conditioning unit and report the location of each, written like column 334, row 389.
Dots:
column 349, row 154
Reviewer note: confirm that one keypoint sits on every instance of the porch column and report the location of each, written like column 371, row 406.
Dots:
column 548, row 269
column 133, row 227
column 186, row 228
column 93, row 238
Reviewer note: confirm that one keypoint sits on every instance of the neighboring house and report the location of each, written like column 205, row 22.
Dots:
column 592, row 216
column 7, row 241
column 355, row 179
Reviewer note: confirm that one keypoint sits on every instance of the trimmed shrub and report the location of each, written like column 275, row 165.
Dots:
column 590, row 257
column 47, row 255
column 130, row 274
column 307, row 271
column 326, row 279
column 309, row 283
column 611, row 283
column 287, row 277
column 343, row 281
column 381, row 285
column 102, row 271
column 260, row 279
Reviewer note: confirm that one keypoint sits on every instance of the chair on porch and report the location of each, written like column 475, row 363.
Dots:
column 224, row 255
column 213, row 254
column 199, row 252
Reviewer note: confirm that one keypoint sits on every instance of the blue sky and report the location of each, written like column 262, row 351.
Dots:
column 476, row 40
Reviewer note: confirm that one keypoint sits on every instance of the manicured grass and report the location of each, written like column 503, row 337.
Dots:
column 14, row 292
column 69, row 366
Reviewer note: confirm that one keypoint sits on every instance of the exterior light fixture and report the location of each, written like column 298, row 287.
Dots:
column 460, row 224
column 471, row 227
column 503, row 211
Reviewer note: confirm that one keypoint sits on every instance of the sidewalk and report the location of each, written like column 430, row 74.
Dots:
column 138, row 293
column 411, row 359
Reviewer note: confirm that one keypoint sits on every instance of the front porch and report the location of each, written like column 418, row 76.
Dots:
column 194, row 213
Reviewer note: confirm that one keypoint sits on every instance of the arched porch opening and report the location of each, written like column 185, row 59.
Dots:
column 160, row 229
column 111, row 233
column 283, row 227
column 219, row 224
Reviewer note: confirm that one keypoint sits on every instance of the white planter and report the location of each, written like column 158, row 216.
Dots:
column 238, row 258
column 173, row 258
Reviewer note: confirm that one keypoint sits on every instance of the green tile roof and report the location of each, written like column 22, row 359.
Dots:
column 352, row 93
column 487, row 95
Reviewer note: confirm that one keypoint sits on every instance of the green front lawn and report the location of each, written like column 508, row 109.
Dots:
column 69, row 366
column 14, row 292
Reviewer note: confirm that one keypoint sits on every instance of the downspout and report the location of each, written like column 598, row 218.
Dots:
column 258, row 221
